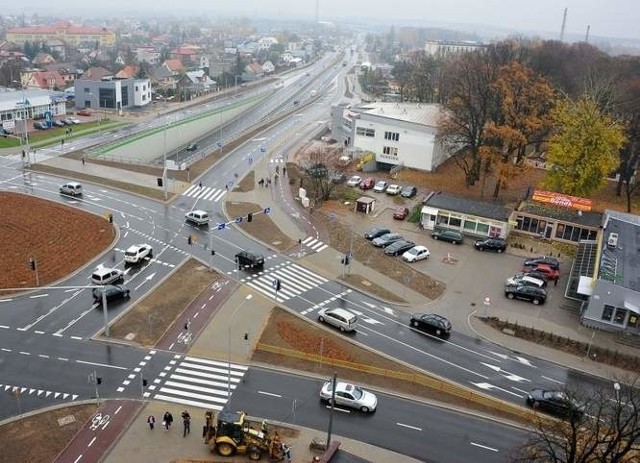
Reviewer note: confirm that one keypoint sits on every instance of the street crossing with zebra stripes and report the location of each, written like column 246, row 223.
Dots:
column 294, row 280
column 206, row 193
column 314, row 244
column 196, row 382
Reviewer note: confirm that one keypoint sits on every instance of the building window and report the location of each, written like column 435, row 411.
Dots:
column 470, row 226
column 86, row 90
column 607, row 313
column 619, row 317
column 633, row 321
column 393, row 136
column 390, row 150
column 483, row 229
column 455, row 222
column 365, row 132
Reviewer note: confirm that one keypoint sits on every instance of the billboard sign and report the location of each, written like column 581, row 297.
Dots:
column 558, row 199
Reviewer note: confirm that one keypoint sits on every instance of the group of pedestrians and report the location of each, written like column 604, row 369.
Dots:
column 167, row 420
column 265, row 182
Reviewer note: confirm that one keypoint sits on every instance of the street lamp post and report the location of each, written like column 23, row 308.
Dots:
column 248, row 298
column 24, row 142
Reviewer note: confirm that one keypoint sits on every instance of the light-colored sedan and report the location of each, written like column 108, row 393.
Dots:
column 394, row 189
column 349, row 395
column 380, row 187
column 136, row 253
column 416, row 253
column 354, row 181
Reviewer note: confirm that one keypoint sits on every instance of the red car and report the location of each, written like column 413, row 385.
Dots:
column 547, row 270
column 84, row 112
column 368, row 183
column 400, row 213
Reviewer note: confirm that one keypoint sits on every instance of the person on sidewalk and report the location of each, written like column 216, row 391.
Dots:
column 186, row 421
column 167, row 420
column 151, row 421
column 83, row 160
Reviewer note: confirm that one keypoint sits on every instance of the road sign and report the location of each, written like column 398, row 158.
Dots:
column 487, row 300
column 238, row 220
column 267, row 210
column 221, row 226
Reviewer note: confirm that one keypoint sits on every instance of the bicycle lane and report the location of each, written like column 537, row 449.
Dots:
column 194, row 319
column 95, row 439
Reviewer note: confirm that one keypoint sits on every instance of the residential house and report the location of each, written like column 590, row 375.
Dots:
column 268, row 67
column 42, row 59
column 252, row 71
column 49, row 80
column 265, row 43
column 162, row 78
column 128, row 72
column 174, row 66
column 195, row 83
column 149, row 55
column 189, row 55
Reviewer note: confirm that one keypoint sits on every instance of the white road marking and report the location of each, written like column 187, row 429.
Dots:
column 484, row 447
column 92, row 441
column 415, row 428
column 269, row 394
column 525, row 362
column 38, row 296
column 551, row 379
column 338, row 409
column 99, row 364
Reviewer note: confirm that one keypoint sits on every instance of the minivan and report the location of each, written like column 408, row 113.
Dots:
column 340, row 318
column 197, row 217
column 106, row 276
column 71, row 189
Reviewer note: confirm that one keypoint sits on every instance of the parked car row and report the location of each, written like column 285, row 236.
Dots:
column 530, row 284
column 43, row 125
column 382, row 186
column 394, row 244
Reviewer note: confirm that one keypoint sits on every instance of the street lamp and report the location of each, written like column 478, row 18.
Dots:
column 24, row 143
column 248, row 298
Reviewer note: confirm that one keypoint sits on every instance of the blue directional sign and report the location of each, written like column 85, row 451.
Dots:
column 263, row 149
column 266, row 210
column 238, row 219
column 221, row 226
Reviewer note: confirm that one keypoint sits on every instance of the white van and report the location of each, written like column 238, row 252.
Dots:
column 106, row 276
column 197, row 217
column 340, row 318
column 71, row 189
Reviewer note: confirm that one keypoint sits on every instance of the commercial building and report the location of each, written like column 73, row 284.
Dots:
column 110, row 93
column 63, row 31
column 442, row 48
column 24, row 105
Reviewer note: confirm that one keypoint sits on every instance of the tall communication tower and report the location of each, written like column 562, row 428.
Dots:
column 564, row 24
column 586, row 38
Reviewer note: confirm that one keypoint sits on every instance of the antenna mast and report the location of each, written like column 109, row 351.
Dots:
column 564, row 24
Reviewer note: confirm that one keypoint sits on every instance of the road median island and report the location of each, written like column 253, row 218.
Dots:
column 153, row 315
column 261, row 226
column 295, row 343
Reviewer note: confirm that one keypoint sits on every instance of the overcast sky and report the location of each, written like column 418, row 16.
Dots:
column 614, row 18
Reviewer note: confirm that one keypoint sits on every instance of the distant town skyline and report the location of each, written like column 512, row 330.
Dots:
column 613, row 18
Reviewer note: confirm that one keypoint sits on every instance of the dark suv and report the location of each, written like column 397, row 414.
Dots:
column 491, row 244
column 550, row 261
column 527, row 293
column 431, row 323
column 451, row 236
column 246, row 259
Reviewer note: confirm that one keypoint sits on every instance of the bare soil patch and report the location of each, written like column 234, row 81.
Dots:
column 40, row 438
column 261, row 227
column 61, row 239
column 164, row 304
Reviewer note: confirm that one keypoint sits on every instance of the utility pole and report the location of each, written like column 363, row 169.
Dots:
column 333, row 401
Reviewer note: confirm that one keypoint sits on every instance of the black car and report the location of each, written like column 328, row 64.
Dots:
column 527, row 293
column 375, row 232
column 491, row 244
column 431, row 323
column 114, row 292
column 550, row 261
column 386, row 239
column 192, row 146
column 399, row 247
column 409, row 191
column 248, row 259
column 451, row 236
column 555, row 402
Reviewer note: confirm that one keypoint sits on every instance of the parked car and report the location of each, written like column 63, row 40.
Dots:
column 248, row 259
column 75, row 121
column 409, row 191
column 84, row 112
column 451, row 236
column 550, row 261
column 416, row 253
column 491, row 244
column 192, row 146
column 380, row 187
column 393, row 190
column 58, row 123
column 375, row 232
column 114, row 292
column 527, row 293
column 349, row 395
column 556, row 403
column 354, row 181
column 338, row 178
column 385, row 240
column 67, row 121
column 431, row 323
column 398, row 247
column 400, row 213
column 547, row 270
column 40, row 125
column 525, row 279
column 367, row 184
column 538, row 275
column 340, row 318
column 136, row 253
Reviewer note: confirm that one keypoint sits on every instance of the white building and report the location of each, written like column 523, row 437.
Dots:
column 446, row 47
column 19, row 106
column 265, row 43
column 148, row 55
column 399, row 134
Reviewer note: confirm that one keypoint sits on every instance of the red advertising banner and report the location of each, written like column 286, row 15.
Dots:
column 558, row 199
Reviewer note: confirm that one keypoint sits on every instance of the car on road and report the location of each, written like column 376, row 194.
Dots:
column 192, row 146
column 525, row 279
column 416, row 253
column 246, row 259
column 386, row 239
column 375, row 232
column 409, row 191
column 393, row 190
column 527, row 293
column 354, row 181
column 349, row 395
column 136, row 253
column 367, row 183
column 451, row 236
column 399, row 247
column 555, row 402
column 547, row 270
column 71, row 189
column 380, row 187
column 84, row 112
column 400, row 213
column 197, row 217
column 550, row 261
column 106, row 276
column 431, row 323
column 342, row 319
column 491, row 244
column 113, row 292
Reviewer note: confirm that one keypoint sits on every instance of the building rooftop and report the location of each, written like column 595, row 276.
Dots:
column 486, row 209
column 588, row 218
column 621, row 264
column 9, row 101
column 418, row 113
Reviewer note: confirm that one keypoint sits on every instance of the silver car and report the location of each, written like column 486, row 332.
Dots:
column 350, row 396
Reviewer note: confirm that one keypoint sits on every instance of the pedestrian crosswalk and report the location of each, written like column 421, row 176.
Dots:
column 204, row 192
column 314, row 244
column 197, row 382
column 294, row 280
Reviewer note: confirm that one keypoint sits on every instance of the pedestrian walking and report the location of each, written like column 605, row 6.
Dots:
column 200, row 185
column 151, row 420
column 261, row 182
column 277, row 170
column 83, row 160
column 286, row 451
column 167, row 420
column 284, row 171
column 186, row 421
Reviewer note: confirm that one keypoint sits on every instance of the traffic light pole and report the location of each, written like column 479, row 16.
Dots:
column 104, row 312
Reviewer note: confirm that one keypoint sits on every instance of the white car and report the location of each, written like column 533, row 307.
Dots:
column 416, row 253
column 354, row 181
column 349, row 395
column 380, row 187
column 137, row 253
column 394, row 189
